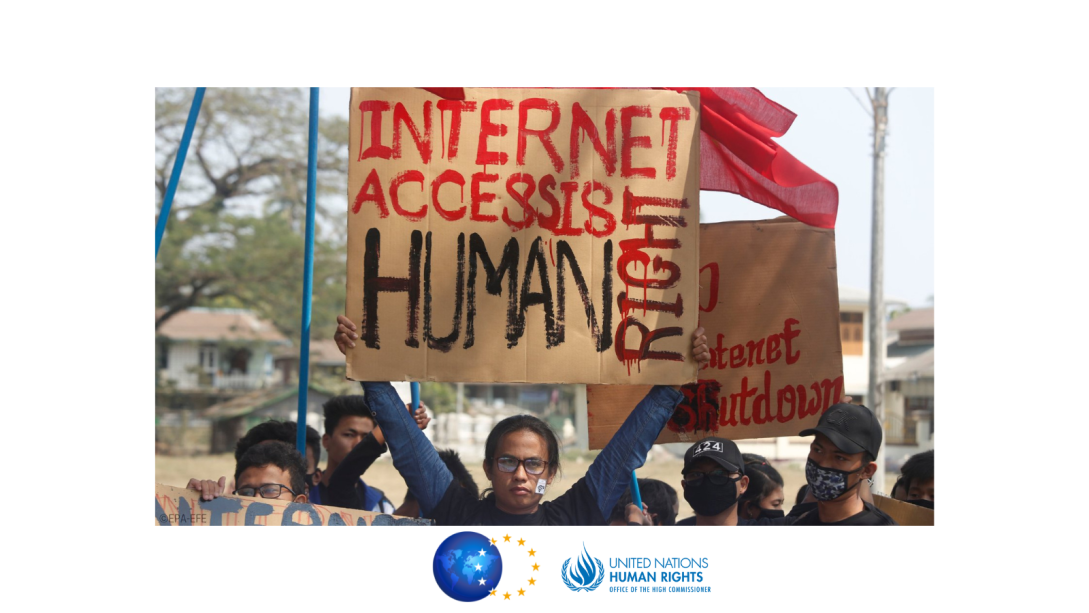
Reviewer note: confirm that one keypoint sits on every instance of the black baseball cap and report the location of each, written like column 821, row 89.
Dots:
column 723, row 451
column 851, row 427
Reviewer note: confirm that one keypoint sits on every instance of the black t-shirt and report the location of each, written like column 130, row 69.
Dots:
column 576, row 507
column 345, row 489
column 760, row 521
column 786, row 520
column 869, row 516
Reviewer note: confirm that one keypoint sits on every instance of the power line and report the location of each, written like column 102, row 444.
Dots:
column 860, row 103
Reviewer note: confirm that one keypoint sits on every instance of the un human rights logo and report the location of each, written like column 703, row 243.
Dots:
column 467, row 566
column 584, row 575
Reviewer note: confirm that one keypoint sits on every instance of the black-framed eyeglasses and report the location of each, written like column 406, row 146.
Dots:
column 265, row 490
column 534, row 466
column 716, row 477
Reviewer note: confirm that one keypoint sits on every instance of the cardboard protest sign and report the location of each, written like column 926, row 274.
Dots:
column 905, row 513
column 175, row 506
column 769, row 300
column 523, row 235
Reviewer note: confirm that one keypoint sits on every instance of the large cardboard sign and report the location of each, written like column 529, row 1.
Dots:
column 175, row 506
column 769, row 300
column 523, row 235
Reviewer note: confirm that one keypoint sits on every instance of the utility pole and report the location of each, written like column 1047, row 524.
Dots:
column 875, row 393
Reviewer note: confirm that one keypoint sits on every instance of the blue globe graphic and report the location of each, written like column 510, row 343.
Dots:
column 467, row 566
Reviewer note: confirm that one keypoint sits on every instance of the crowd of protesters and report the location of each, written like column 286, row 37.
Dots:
column 521, row 460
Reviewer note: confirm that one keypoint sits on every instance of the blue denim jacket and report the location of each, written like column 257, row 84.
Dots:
column 608, row 476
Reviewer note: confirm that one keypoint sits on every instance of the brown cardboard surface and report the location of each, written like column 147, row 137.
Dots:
column 175, row 506
column 424, row 206
column 762, row 284
column 905, row 513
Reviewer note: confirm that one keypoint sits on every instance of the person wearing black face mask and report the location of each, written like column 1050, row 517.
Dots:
column 763, row 498
column 847, row 439
column 714, row 480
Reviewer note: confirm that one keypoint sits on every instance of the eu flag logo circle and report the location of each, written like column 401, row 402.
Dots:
column 467, row 566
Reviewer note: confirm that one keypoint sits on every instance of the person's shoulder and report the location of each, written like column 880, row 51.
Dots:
column 802, row 508
column 688, row 521
column 807, row 518
column 458, row 506
column 575, row 507
column 786, row 520
column 880, row 518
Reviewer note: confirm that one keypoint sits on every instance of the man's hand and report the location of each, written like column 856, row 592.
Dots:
column 421, row 417
column 421, row 420
column 345, row 335
column 699, row 351
column 699, row 348
column 209, row 490
column 635, row 516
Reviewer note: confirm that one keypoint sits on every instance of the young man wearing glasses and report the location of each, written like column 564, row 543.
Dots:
column 271, row 470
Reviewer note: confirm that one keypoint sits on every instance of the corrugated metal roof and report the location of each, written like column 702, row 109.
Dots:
column 915, row 319
column 200, row 324
column 323, row 352
column 853, row 295
column 254, row 401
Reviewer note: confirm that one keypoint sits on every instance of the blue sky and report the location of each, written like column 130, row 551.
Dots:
column 833, row 135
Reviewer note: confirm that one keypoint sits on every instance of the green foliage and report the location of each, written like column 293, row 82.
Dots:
column 236, row 232
column 439, row 397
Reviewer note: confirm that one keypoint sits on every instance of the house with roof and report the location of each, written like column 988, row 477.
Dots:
column 909, row 382
column 325, row 359
column 202, row 349
column 231, row 418
column 854, row 322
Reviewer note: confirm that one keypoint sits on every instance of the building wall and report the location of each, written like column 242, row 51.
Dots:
column 181, row 357
column 856, row 367
column 184, row 366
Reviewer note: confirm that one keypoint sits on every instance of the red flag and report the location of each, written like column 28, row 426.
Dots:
column 738, row 155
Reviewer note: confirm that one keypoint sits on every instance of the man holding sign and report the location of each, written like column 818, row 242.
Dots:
column 521, row 458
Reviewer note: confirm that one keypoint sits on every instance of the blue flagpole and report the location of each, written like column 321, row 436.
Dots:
column 175, row 173
column 636, row 499
column 415, row 387
column 308, row 271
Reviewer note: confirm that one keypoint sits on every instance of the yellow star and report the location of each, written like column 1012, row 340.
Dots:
column 493, row 592
column 506, row 596
column 532, row 581
column 535, row 567
column 531, row 552
column 506, row 539
column 521, row 592
column 521, row 542
column 493, row 541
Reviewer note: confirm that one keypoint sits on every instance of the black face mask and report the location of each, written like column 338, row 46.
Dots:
column 708, row 499
column 771, row 514
column 929, row 504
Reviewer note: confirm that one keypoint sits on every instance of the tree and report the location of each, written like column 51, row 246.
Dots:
column 438, row 396
column 235, row 237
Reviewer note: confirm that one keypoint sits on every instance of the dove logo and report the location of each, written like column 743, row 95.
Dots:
column 585, row 575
